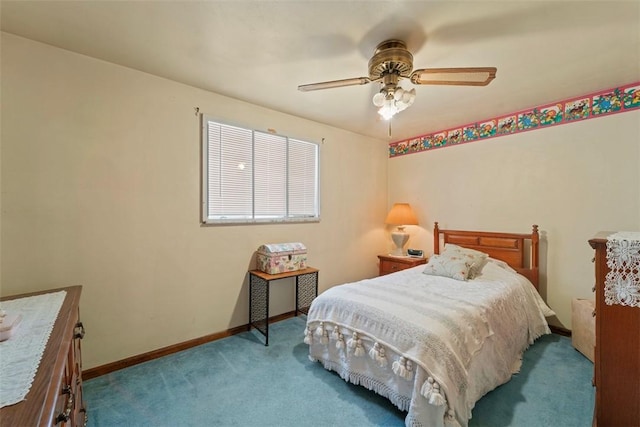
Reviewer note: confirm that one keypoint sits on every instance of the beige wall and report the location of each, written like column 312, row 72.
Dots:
column 101, row 187
column 572, row 180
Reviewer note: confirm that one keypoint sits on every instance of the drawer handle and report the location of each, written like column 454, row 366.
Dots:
column 65, row 416
column 78, row 331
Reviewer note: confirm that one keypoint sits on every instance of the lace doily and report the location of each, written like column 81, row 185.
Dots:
column 622, row 283
column 20, row 355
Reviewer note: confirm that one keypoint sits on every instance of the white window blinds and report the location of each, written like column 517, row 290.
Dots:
column 251, row 176
column 270, row 177
column 303, row 178
column 230, row 176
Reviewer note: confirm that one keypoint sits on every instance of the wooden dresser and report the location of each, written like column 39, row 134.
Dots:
column 55, row 397
column 617, row 352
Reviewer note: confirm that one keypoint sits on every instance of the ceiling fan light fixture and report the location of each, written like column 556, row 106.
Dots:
column 392, row 99
column 378, row 99
column 409, row 96
column 388, row 110
column 390, row 64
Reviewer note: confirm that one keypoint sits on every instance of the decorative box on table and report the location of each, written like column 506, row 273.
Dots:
column 275, row 258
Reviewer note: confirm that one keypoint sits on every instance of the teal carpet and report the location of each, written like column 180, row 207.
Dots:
column 237, row 381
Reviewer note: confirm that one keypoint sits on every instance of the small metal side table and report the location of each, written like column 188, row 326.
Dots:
column 259, row 281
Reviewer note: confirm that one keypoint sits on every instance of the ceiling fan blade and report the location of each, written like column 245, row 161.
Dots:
column 335, row 83
column 475, row 76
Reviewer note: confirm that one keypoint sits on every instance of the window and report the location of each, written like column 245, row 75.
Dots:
column 251, row 176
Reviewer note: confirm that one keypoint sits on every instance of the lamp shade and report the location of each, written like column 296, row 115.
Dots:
column 401, row 214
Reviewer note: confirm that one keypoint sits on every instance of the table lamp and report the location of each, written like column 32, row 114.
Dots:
column 401, row 215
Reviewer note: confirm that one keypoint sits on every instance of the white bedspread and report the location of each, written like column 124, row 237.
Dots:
column 432, row 345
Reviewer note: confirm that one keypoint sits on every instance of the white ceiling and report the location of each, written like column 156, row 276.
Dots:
column 260, row 51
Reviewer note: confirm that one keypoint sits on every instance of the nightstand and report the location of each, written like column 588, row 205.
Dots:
column 391, row 264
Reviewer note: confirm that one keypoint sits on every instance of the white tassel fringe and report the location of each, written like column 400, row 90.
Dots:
column 340, row 341
column 322, row 333
column 355, row 343
column 431, row 391
column 335, row 334
column 377, row 353
column 403, row 368
column 308, row 337
column 373, row 353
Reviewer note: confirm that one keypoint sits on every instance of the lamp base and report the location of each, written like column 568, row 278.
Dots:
column 400, row 238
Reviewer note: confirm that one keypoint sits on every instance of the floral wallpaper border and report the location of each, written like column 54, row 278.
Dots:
column 598, row 104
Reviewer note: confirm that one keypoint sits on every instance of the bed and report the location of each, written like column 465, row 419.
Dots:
column 435, row 338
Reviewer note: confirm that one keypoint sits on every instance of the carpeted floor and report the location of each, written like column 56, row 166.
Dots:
column 237, row 381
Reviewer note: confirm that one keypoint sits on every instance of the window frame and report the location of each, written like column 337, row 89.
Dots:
column 204, row 181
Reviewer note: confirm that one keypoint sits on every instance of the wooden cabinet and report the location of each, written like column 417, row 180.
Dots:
column 55, row 397
column 391, row 264
column 617, row 352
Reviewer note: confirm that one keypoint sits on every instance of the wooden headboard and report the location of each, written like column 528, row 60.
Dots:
column 508, row 247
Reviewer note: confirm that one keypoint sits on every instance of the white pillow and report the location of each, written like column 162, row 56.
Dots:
column 477, row 260
column 453, row 266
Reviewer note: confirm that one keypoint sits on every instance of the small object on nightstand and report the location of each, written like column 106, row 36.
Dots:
column 415, row 253
column 391, row 264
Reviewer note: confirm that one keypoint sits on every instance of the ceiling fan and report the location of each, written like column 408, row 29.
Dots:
column 392, row 62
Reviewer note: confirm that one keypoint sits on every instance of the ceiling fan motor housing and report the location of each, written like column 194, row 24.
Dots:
column 391, row 57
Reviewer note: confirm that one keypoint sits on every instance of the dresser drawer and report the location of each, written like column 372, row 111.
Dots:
column 390, row 264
